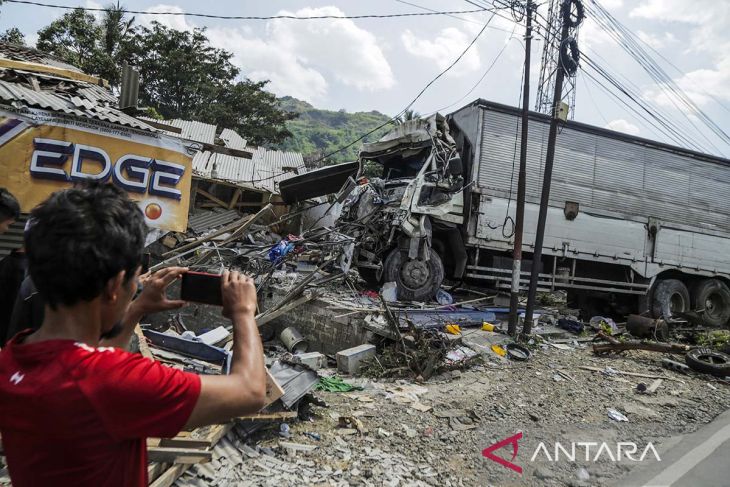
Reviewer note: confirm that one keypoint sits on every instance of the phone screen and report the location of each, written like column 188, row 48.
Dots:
column 200, row 287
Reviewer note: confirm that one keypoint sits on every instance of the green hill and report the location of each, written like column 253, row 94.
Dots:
column 318, row 132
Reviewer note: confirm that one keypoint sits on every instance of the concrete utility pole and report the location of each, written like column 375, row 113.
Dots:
column 521, row 182
column 546, row 182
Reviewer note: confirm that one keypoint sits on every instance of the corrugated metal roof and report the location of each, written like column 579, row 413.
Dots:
column 232, row 140
column 17, row 52
column 205, row 220
column 263, row 171
column 197, row 131
column 86, row 103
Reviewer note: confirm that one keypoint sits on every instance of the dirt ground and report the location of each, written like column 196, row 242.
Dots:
column 433, row 433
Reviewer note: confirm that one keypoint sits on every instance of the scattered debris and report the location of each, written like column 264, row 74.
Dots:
column 616, row 415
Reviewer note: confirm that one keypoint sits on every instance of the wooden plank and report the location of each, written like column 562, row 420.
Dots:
column 43, row 68
column 234, row 199
column 154, row 470
column 186, row 442
column 228, row 228
column 266, row 316
column 277, row 416
column 169, row 476
column 632, row 374
column 178, row 455
column 144, row 348
column 273, row 389
column 212, row 198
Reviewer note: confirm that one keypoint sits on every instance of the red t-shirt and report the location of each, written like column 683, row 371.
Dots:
column 73, row 415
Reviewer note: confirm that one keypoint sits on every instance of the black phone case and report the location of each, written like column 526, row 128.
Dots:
column 200, row 287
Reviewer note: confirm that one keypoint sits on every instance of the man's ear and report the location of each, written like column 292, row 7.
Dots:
column 114, row 286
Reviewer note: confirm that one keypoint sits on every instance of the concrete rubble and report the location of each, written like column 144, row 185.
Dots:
column 369, row 390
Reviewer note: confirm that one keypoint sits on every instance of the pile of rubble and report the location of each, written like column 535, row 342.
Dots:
column 366, row 389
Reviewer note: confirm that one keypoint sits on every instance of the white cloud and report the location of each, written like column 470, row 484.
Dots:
column 261, row 60
column 337, row 46
column 177, row 22
column 300, row 59
column 657, row 41
column 444, row 49
column 708, row 21
column 621, row 125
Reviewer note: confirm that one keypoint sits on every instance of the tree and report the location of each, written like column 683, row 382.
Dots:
column 407, row 115
column 98, row 47
column 183, row 76
column 13, row 36
column 180, row 72
column 75, row 39
column 253, row 112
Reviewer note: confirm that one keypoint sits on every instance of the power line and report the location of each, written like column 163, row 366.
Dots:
column 428, row 85
column 489, row 68
column 470, row 21
column 252, row 17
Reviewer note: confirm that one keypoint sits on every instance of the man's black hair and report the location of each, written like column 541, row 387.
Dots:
column 9, row 207
column 79, row 239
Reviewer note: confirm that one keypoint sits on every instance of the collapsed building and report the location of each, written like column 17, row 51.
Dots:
column 350, row 262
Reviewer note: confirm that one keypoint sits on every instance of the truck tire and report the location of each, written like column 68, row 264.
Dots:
column 670, row 296
column 370, row 276
column 417, row 280
column 712, row 296
column 708, row 361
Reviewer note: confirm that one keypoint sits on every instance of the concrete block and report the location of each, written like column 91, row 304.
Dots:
column 348, row 361
column 313, row 360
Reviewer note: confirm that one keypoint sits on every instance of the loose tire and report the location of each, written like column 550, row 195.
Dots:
column 708, row 361
column 417, row 280
column 670, row 296
column 712, row 296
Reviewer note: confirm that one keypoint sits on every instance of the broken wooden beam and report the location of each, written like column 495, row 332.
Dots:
column 599, row 348
column 178, row 455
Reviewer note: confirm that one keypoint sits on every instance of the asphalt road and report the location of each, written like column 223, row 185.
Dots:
column 701, row 459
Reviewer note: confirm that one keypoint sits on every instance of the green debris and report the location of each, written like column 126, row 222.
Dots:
column 716, row 339
column 335, row 384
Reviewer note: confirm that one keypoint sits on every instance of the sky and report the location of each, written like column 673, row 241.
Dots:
column 381, row 64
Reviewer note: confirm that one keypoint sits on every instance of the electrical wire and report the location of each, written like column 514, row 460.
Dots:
column 628, row 41
column 252, row 17
column 489, row 68
column 428, row 85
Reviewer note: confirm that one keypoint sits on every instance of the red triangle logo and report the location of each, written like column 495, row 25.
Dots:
column 512, row 440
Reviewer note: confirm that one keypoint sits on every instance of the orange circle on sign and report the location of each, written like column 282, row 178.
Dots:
column 153, row 211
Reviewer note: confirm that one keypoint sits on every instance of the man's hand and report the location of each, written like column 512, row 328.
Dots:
column 153, row 297
column 239, row 294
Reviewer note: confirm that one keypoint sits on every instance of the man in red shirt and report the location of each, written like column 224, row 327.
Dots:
column 75, row 407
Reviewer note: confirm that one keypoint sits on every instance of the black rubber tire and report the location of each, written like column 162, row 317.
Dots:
column 426, row 292
column 713, row 296
column 370, row 276
column 670, row 295
column 708, row 361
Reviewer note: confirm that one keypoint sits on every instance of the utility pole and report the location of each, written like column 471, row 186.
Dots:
column 546, row 182
column 521, row 183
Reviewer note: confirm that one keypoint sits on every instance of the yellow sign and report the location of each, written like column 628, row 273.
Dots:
column 42, row 152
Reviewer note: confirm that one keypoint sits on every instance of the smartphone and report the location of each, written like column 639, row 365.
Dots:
column 201, row 287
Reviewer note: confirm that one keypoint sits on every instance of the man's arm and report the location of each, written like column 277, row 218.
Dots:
column 152, row 299
column 243, row 391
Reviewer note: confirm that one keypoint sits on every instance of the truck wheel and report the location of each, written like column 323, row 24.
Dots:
column 670, row 296
column 417, row 280
column 712, row 296
column 370, row 276
column 708, row 361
